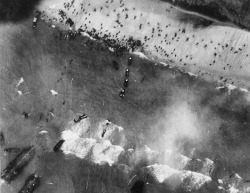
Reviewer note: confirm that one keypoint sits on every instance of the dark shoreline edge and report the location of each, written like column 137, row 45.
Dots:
column 216, row 10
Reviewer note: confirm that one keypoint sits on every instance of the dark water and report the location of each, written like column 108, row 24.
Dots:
column 16, row 10
column 82, row 72
column 211, row 9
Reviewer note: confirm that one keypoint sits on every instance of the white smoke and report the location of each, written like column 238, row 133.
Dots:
column 178, row 124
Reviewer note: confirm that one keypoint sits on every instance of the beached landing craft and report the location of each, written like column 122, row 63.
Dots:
column 16, row 166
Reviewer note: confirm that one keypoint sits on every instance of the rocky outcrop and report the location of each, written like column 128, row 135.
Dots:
column 173, row 171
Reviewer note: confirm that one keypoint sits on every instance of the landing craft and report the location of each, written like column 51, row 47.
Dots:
column 58, row 145
column 2, row 140
column 83, row 116
column 26, row 115
column 125, row 83
column 122, row 93
column 31, row 183
column 103, row 133
column 12, row 150
column 127, row 73
column 16, row 166
column 129, row 60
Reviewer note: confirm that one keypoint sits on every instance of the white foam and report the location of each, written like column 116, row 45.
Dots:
column 149, row 151
column 87, row 35
column 54, row 93
column 43, row 132
column 140, row 54
column 20, row 81
column 220, row 181
column 105, row 152
column 19, row 92
column 175, row 159
column 219, row 87
column 81, row 129
column 69, row 135
column 187, row 180
column 243, row 90
column 231, row 87
column 111, row 49
column 191, row 74
column 77, row 144
column 233, row 190
column 165, row 64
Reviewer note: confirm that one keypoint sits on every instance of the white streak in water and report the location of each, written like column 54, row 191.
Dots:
column 54, row 93
column 20, row 81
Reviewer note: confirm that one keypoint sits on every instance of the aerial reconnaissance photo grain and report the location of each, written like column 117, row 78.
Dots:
column 125, row 96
